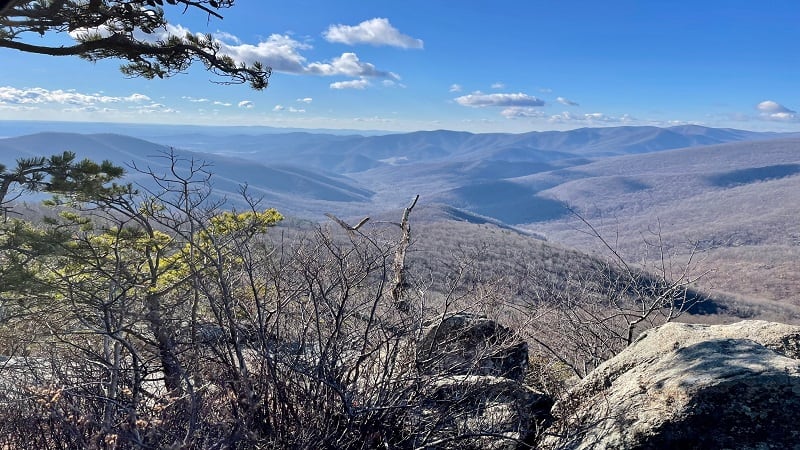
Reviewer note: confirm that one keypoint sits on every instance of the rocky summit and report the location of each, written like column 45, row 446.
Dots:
column 689, row 387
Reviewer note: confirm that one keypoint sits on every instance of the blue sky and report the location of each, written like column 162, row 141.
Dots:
column 480, row 66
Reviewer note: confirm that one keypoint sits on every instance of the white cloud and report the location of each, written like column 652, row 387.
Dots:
column 290, row 109
column 600, row 117
column 784, row 116
column 280, row 52
column 498, row 85
column 88, row 109
column 195, row 100
column 455, row 88
column 136, row 98
column 154, row 108
column 351, row 84
column 305, row 100
column 518, row 112
column 377, row 31
column 348, row 64
column 32, row 96
column 247, row 104
column 225, row 36
column 479, row 100
column 567, row 102
column 769, row 106
column 219, row 103
column 771, row 110
column 392, row 83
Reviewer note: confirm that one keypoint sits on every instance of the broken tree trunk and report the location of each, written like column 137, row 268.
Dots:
column 399, row 282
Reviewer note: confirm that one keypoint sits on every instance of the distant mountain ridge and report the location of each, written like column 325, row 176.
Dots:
column 497, row 175
column 278, row 183
column 352, row 154
column 731, row 191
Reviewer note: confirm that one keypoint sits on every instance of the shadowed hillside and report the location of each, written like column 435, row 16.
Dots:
column 736, row 202
column 291, row 187
column 522, row 265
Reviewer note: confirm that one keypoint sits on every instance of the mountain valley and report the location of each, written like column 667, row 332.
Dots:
column 729, row 194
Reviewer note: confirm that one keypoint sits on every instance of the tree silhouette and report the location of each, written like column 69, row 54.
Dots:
column 135, row 31
column 57, row 174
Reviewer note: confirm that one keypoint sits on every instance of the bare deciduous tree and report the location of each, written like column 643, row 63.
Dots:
column 591, row 315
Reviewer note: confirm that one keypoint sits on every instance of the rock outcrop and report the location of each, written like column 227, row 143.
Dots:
column 690, row 386
column 482, row 413
column 473, row 397
column 465, row 344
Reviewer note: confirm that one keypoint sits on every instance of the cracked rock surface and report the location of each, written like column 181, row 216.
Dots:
column 690, row 386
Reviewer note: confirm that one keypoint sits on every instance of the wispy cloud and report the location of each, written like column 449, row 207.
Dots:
column 377, row 32
column 291, row 109
column 350, row 84
column 37, row 95
column 518, row 112
column 225, row 36
column 772, row 110
column 246, row 104
column 455, row 88
column 498, row 85
column 305, row 100
column 374, row 119
column 219, row 103
column 195, row 100
column 7, row 107
column 89, row 109
column 392, row 83
column 153, row 108
column 480, row 100
column 567, row 102
column 591, row 118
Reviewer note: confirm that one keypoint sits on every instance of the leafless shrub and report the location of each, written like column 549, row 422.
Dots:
column 171, row 322
column 592, row 315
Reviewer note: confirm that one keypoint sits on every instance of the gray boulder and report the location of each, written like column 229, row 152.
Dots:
column 690, row 387
column 465, row 344
column 480, row 412
column 471, row 368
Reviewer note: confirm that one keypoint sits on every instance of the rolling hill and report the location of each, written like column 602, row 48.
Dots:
column 730, row 193
column 294, row 188
column 735, row 202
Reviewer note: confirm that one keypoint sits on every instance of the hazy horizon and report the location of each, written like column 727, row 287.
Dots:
column 121, row 127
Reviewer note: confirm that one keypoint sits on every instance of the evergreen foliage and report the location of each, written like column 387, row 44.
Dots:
column 134, row 31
